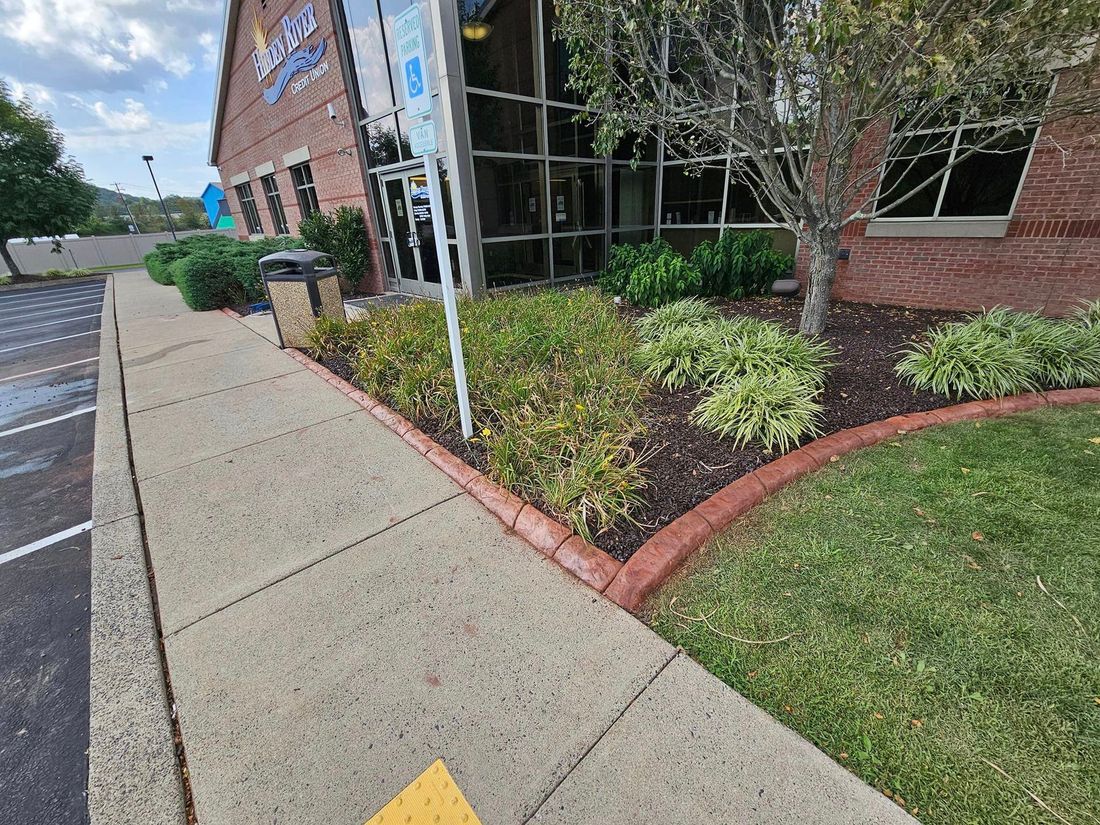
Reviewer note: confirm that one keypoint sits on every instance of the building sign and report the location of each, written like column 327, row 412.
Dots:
column 288, row 52
column 422, row 139
column 413, row 60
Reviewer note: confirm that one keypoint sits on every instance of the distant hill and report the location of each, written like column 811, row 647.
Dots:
column 109, row 217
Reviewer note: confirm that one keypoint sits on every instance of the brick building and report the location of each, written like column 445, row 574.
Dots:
column 309, row 114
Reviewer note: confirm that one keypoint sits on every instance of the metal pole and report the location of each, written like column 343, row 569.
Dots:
column 149, row 162
column 126, row 206
column 450, row 305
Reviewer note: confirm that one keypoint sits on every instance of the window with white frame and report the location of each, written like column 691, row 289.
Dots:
column 302, row 176
column 248, row 209
column 275, row 204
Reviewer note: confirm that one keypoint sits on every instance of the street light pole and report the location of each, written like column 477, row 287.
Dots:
column 149, row 162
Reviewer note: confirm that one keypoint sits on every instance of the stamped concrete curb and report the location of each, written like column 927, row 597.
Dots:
column 554, row 540
column 133, row 774
column 664, row 552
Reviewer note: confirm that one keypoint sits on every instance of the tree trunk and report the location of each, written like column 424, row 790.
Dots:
column 10, row 261
column 824, row 244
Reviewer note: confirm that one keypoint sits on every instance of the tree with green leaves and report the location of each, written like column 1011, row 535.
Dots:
column 42, row 190
column 833, row 111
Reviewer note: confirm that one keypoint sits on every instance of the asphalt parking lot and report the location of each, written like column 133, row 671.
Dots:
column 49, row 349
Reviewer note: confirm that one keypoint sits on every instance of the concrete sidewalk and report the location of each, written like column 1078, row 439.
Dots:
column 337, row 614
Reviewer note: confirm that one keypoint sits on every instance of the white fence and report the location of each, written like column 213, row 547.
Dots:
column 85, row 253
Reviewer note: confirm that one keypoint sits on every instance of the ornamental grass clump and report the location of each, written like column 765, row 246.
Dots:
column 678, row 357
column 553, row 391
column 1087, row 314
column 687, row 312
column 773, row 410
column 754, row 347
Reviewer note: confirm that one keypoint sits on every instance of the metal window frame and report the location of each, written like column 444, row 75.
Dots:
column 248, row 208
column 306, row 191
column 275, row 204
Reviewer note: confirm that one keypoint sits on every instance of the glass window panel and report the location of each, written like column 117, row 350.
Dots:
column 509, row 196
column 692, row 198
column 390, row 10
column 742, row 206
column 916, row 160
column 380, row 138
column 456, row 267
column 511, row 263
column 369, row 52
column 568, row 138
column 379, row 208
column 633, row 237
column 632, row 195
column 498, row 45
column 985, row 184
column 499, row 125
column 387, row 256
column 576, row 196
column 275, row 204
column 629, row 145
column 557, row 58
column 580, row 255
column 684, row 241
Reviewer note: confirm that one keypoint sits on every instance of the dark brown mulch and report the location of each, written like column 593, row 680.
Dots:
column 687, row 465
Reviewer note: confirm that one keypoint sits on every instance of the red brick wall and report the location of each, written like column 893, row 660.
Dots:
column 254, row 133
column 1048, row 260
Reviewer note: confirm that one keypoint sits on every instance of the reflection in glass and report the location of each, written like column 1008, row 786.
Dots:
column 511, row 263
column 629, row 145
column 579, row 255
column 576, row 196
column 423, row 226
column 916, row 160
column 504, row 59
column 390, row 10
column 692, row 198
column 566, row 137
column 401, row 223
column 742, row 206
column 633, row 237
column 557, row 58
column 498, row 125
column 380, row 138
column 509, row 196
column 369, row 52
column 684, row 241
column 985, row 184
column 632, row 195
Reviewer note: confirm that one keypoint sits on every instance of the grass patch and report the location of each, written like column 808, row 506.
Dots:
column 554, row 396
column 5, row 280
column 925, row 648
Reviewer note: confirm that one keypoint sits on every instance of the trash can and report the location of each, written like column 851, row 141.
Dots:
column 302, row 285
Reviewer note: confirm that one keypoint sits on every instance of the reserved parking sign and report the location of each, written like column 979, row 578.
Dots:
column 415, row 84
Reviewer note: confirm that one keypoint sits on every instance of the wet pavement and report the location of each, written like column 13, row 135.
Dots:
column 49, row 348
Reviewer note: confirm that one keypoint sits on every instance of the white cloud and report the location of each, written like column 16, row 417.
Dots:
column 34, row 92
column 210, row 48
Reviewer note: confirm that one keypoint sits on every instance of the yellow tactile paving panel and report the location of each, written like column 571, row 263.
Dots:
column 432, row 798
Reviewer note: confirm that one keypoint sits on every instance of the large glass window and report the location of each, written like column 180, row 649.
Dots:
column 275, row 204
column 248, row 209
column 983, row 185
column 500, row 125
column 369, row 55
column 498, row 45
column 302, row 176
column 568, row 137
column 632, row 195
column 515, row 263
column 557, row 58
column 390, row 10
column 576, row 196
column 381, row 140
column 694, row 197
column 578, row 255
column 509, row 196
column 742, row 206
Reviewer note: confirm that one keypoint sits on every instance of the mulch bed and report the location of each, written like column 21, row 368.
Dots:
column 688, row 465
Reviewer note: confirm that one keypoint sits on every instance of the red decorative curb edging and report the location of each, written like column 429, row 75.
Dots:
column 588, row 563
column 659, row 557
column 232, row 313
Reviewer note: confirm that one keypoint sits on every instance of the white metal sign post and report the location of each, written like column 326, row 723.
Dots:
column 416, row 86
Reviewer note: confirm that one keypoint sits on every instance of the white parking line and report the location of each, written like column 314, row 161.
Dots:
column 11, row 555
column 53, row 420
column 48, row 324
column 21, row 307
column 50, row 341
column 63, row 309
column 37, row 293
column 48, row 369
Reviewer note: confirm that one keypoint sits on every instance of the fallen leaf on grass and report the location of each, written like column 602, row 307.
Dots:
column 878, row 715
column 973, row 565
column 916, row 723
column 977, row 535
column 1095, row 440
column 965, row 470
column 919, row 511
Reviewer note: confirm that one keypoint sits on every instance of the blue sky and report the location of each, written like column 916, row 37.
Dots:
column 121, row 78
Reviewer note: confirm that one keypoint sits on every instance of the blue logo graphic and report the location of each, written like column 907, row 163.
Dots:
column 300, row 61
column 414, row 77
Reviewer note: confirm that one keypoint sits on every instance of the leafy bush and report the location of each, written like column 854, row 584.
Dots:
column 623, row 259
column 341, row 233
column 164, row 254
column 667, row 278
column 207, row 281
column 677, row 357
column 685, row 312
column 968, row 359
column 739, row 264
column 60, row 274
column 773, row 410
column 5, row 280
column 1088, row 314
column 553, row 392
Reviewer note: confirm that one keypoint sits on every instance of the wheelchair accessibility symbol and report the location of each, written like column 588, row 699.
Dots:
column 414, row 77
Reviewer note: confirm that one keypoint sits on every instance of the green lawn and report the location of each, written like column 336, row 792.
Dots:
column 928, row 660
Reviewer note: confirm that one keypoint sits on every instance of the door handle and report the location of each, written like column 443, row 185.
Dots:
column 412, row 239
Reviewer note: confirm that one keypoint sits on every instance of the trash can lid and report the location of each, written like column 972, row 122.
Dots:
column 294, row 256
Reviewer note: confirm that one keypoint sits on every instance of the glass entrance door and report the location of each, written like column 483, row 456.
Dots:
column 409, row 213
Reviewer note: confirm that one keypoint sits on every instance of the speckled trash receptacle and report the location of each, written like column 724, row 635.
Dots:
column 300, row 291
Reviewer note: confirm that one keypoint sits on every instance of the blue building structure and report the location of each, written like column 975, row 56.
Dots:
column 217, row 209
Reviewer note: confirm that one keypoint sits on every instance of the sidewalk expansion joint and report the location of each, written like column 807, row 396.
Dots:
column 676, row 652
column 213, row 392
column 314, row 563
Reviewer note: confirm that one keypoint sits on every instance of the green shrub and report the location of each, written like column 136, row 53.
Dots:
column 554, row 396
column 972, row 359
column 341, row 233
column 164, row 254
column 772, row 410
column 1066, row 355
column 1088, row 314
column 667, row 278
column 685, row 312
column 5, row 280
column 207, row 280
column 678, row 357
column 623, row 259
column 60, row 274
column 739, row 264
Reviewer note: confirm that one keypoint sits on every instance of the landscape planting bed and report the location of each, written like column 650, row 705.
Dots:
column 686, row 465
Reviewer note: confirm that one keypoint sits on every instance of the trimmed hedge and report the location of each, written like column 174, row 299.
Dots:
column 207, row 281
